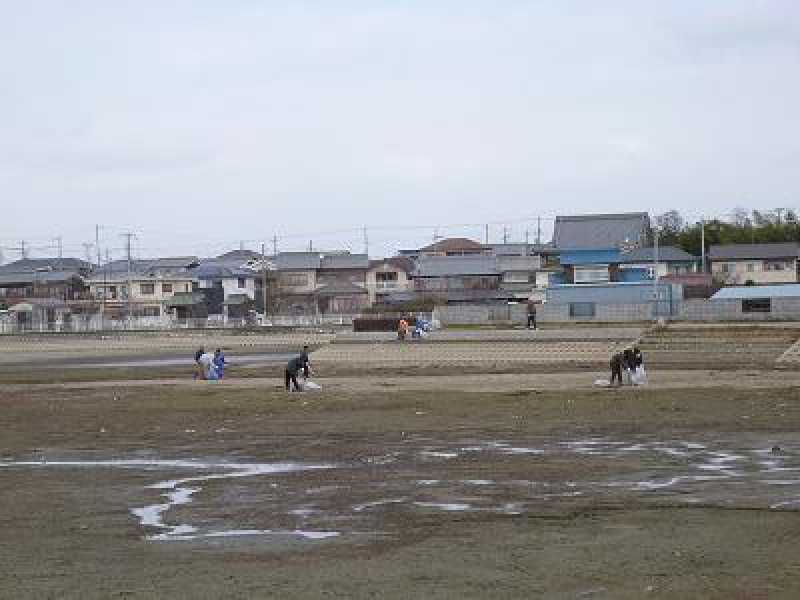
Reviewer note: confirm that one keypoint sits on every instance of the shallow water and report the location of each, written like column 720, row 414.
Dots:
column 722, row 472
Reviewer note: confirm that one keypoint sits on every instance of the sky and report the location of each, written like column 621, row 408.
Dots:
column 202, row 126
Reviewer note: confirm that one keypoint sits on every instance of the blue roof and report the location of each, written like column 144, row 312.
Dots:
column 590, row 257
column 744, row 292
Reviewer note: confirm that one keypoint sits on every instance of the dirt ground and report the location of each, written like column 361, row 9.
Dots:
column 409, row 486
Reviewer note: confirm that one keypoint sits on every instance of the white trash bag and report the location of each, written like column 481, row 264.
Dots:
column 639, row 376
column 310, row 386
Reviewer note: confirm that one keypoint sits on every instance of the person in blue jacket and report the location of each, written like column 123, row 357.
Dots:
column 219, row 362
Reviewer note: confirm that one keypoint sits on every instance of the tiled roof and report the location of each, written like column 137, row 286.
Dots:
column 344, row 261
column 57, row 264
column 214, row 269
column 453, row 245
column 42, row 277
column 297, row 261
column 443, row 266
column 665, row 254
column 239, row 255
column 510, row 249
column 600, row 231
column 745, row 251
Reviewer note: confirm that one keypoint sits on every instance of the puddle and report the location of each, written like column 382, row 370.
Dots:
column 446, row 506
column 721, row 472
column 179, row 493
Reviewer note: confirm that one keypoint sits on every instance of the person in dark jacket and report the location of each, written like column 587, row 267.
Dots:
column 616, row 364
column 306, row 362
column 638, row 358
column 293, row 367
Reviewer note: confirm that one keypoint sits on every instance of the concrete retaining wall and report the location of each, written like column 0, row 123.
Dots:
column 783, row 309
column 482, row 314
column 604, row 313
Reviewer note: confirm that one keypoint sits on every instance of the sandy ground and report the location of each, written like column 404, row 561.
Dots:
column 427, row 481
column 486, row 382
column 514, row 486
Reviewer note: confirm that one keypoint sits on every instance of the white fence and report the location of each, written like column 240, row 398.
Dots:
column 87, row 324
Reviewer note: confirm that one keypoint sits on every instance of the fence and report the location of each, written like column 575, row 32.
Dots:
column 80, row 325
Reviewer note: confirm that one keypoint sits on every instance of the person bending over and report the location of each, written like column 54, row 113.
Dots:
column 616, row 364
column 306, row 362
column 293, row 367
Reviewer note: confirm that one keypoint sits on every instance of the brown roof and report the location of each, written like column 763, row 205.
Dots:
column 398, row 262
column 454, row 245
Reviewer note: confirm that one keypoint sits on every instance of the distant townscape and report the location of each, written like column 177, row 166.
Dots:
column 599, row 267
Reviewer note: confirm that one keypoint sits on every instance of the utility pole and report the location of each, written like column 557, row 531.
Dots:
column 23, row 251
column 366, row 242
column 274, row 245
column 527, row 241
column 505, row 234
column 128, row 236
column 264, row 284
column 655, row 273
column 310, row 245
column 97, row 243
column 486, row 236
column 539, row 230
column 59, row 243
column 703, row 242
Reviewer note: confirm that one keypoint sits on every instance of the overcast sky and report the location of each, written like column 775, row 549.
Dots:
column 198, row 123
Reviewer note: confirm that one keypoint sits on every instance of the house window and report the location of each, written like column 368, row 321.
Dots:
column 724, row 268
column 241, row 283
column 591, row 274
column 750, row 267
column 775, row 265
column 147, row 289
column 757, row 305
column 166, row 288
column 380, row 277
column 581, row 309
column 151, row 311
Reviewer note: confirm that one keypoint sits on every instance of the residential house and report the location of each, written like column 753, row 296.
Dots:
column 735, row 264
column 296, row 282
column 311, row 283
column 59, row 278
column 233, row 283
column 141, row 288
column 602, row 231
column 446, row 247
column 636, row 264
column 589, row 245
column 388, row 276
column 460, row 279
column 38, row 314
column 342, row 283
column 639, row 264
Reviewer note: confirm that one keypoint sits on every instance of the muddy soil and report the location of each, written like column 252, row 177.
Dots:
column 434, row 488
